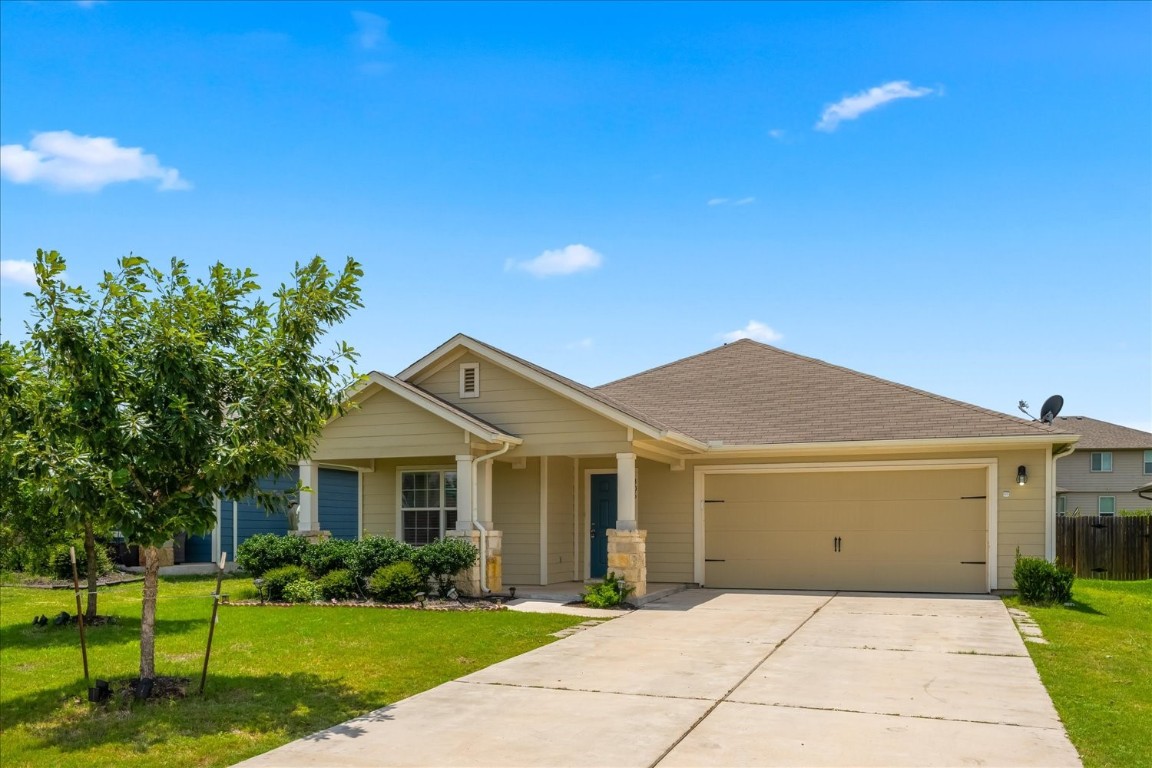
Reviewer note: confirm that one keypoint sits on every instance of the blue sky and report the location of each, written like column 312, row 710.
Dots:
column 953, row 196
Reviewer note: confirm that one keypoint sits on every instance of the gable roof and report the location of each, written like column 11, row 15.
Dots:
column 437, row 406
column 1096, row 434
column 593, row 399
column 748, row 393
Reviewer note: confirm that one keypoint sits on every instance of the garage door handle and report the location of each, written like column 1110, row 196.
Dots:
column 973, row 562
column 836, row 544
column 713, row 560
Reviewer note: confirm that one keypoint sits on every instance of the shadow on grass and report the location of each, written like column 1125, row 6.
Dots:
column 1078, row 606
column 125, row 630
column 291, row 706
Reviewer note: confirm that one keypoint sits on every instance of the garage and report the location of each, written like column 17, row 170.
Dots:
column 897, row 529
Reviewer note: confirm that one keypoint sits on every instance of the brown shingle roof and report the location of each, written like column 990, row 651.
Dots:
column 748, row 393
column 1096, row 434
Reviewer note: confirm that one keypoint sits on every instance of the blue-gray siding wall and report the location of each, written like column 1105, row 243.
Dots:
column 338, row 505
column 198, row 549
column 253, row 519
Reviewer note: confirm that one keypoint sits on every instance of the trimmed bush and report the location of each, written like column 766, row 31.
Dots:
column 375, row 552
column 441, row 560
column 329, row 555
column 277, row 580
column 608, row 594
column 396, row 583
column 62, row 560
column 338, row 585
column 1041, row 582
column 302, row 591
column 265, row 551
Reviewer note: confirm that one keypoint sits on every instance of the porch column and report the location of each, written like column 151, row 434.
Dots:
column 464, row 493
column 307, row 519
column 625, row 491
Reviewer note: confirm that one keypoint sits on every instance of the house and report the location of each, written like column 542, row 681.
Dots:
column 1110, row 461
column 743, row 466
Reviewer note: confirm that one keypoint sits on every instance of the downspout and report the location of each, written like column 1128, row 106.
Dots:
column 475, row 510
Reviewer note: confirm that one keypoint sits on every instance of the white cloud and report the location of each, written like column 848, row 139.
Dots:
column 89, row 3
column 756, row 331
column 585, row 343
column 66, row 161
column 729, row 201
column 17, row 272
column 851, row 107
column 372, row 30
column 563, row 261
column 777, row 133
column 718, row 201
column 745, row 201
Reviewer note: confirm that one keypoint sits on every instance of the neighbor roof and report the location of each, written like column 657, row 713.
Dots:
column 748, row 393
column 1096, row 434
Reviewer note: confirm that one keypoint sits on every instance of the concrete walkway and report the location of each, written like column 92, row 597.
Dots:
column 732, row 678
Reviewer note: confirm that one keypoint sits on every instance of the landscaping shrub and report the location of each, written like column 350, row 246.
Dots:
column 396, row 583
column 277, row 580
column 329, row 555
column 608, row 594
column 62, row 560
column 374, row 552
column 302, row 591
column 265, row 551
column 1041, row 582
column 338, row 585
column 441, row 560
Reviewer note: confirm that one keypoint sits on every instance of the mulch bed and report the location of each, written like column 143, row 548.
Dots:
column 108, row 580
column 463, row 604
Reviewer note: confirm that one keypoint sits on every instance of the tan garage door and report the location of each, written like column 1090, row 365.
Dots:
column 893, row 530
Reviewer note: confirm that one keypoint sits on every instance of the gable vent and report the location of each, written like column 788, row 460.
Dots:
column 470, row 380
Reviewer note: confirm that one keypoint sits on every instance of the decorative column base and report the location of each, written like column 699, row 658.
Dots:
column 468, row 582
column 628, row 559
column 313, row 537
column 495, row 558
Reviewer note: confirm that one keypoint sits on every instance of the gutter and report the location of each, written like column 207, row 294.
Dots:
column 475, row 509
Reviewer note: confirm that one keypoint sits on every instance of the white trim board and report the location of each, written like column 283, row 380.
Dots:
column 990, row 466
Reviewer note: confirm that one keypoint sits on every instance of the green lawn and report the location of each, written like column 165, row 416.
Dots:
column 1098, row 668
column 277, row 673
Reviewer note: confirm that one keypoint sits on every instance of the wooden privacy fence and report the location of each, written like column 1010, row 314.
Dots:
column 1118, row 548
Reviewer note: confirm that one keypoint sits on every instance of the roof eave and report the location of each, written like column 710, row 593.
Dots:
column 875, row 446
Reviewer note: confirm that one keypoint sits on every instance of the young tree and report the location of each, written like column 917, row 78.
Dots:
column 185, row 389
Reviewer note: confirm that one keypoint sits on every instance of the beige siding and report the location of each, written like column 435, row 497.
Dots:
column 516, row 512
column 664, row 500
column 380, row 496
column 561, row 508
column 386, row 425
column 548, row 423
column 1075, row 473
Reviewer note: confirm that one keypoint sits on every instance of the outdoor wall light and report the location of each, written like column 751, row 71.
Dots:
column 1022, row 475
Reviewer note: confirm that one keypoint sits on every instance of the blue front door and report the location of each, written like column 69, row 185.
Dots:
column 603, row 517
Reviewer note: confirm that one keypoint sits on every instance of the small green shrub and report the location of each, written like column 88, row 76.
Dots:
column 338, row 585
column 396, row 583
column 328, row 555
column 277, row 580
column 62, row 560
column 302, row 591
column 1041, row 582
column 374, row 552
column 441, row 560
column 265, row 551
column 608, row 594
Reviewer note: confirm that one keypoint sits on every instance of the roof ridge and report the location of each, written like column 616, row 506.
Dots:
column 678, row 361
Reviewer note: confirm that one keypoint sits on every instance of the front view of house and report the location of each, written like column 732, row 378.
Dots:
column 745, row 466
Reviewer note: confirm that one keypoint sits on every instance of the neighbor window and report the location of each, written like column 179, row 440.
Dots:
column 1106, row 505
column 1061, row 505
column 1148, row 462
column 427, row 505
column 1102, row 461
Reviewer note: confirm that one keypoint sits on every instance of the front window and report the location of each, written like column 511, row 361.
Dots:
column 1102, row 461
column 1106, row 505
column 427, row 505
column 1148, row 462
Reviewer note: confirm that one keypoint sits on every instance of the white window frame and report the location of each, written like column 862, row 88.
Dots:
column 475, row 370
column 1148, row 462
column 443, row 470
column 1061, row 505
column 1100, row 502
column 1103, row 455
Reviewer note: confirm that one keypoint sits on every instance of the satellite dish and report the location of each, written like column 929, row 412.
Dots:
column 1051, row 409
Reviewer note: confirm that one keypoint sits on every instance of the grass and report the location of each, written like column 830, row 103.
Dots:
column 1097, row 667
column 276, row 674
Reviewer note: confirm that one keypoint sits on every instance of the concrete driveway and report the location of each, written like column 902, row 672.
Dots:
column 734, row 678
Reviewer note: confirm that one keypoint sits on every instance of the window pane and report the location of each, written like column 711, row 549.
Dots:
column 1148, row 462
column 1102, row 461
column 1061, row 505
column 421, row 527
column 450, row 518
column 1106, row 505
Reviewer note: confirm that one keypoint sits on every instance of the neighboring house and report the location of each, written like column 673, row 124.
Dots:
column 744, row 466
column 1110, row 462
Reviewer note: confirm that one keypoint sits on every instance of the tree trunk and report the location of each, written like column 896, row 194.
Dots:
column 93, row 569
column 148, row 613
